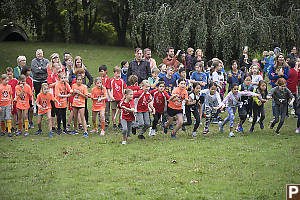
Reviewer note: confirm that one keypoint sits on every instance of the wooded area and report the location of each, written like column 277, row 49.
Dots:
column 220, row 29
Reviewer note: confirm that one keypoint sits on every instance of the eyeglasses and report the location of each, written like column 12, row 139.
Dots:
column 54, row 57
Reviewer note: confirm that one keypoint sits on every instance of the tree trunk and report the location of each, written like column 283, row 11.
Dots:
column 85, row 21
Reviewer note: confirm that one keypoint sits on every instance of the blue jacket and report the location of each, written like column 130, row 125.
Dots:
column 234, row 78
column 273, row 76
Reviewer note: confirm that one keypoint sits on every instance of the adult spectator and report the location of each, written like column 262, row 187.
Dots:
column 66, row 57
column 39, row 70
column 21, row 60
column 69, row 67
column 171, row 59
column 54, row 58
column 78, row 64
column 147, row 56
column 189, row 61
column 234, row 76
column 139, row 67
column 293, row 55
column 279, row 70
column 245, row 64
column 199, row 56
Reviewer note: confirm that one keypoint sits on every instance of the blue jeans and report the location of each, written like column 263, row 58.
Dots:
column 231, row 112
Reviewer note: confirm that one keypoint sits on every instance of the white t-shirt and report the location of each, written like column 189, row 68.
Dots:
column 256, row 79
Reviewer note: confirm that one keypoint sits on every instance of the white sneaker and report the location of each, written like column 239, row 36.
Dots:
column 221, row 127
column 292, row 112
column 124, row 142
column 250, row 119
column 153, row 132
column 258, row 119
column 150, row 131
column 194, row 134
column 297, row 130
column 231, row 134
column 102, row 133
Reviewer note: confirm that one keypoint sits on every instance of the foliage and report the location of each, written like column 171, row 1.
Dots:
column 104, row 33
column 221, row 29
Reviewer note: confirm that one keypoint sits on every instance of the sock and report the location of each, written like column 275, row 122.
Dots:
column 8, row 122
column 102, row 124
column 26, row 124
column 95, row 125
column 3, row 126
column 20, row 125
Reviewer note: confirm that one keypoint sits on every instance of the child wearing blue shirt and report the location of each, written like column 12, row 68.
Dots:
column 199, row 76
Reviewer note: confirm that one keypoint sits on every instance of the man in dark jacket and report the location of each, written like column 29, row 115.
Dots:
column 39, row 70
column 139, row 67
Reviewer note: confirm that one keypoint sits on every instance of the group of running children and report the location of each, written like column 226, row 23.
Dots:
column 159, row 96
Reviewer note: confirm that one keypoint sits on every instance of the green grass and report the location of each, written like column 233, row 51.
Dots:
column 251, row 166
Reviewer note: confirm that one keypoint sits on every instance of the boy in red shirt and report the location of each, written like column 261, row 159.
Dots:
column 5, row 105
column 126, row 106
column 160, row 102
column 99, row 97
column 115, row 91
column 105, row 83
column 292, row 83
column 142, row 104
column 133, row 82
column 13, row 83
column 23, row 95
column 43, row 103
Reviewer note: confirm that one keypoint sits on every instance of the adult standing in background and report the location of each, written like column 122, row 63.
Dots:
column 293, row 55
column 139, row 67
column 66, row 57
column 199, row 56
column 189, row 61
column 171, row 59
column 76, row 65
column 39, row 70
column 21, row 60
column 147, row 56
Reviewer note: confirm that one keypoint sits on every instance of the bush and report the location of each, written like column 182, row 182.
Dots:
column 104, row 33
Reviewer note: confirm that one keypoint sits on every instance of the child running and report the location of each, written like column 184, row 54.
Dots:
column 142, row 104
column 258, row 105
column 80, row 94
column 179, row 94
column 5, row 105
column 160, row 100
column 212, row 104
column 192, row 106
column 23, row 95
column 231, row 102
column 13, row 83
column 99, row 97
column 126, row 107
column 62, row 92
column 43, row 102
column 281, row 96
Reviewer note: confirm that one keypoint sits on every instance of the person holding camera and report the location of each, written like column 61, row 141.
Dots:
column 171, row 59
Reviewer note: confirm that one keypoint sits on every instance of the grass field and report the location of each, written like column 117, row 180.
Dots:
column 249, row 166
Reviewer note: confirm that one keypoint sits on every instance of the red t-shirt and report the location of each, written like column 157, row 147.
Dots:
column 125, row 115
column 292, row 81
column 29, row 81
column 134, row 88
column 117, row 88
column 52, row 78
column 142, row 100
column 44, row 101
column 13, row 83
column 160, row 100
column 5, row 95
column 105, row 83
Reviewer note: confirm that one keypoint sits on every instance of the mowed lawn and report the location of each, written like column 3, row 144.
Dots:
column 249, row 166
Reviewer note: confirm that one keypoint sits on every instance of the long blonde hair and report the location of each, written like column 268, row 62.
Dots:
column 51, row 61
column 74, row 63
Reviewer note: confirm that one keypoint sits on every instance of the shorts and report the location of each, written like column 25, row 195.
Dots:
column 77, row 107
column 201, row 98
column 43, row 113
column 242, row 112
column 53, row 109
column 30, row 104
column 5, row 114
column 114, row 104
column 70, row 99
column 14, row 110
column 172, row 112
